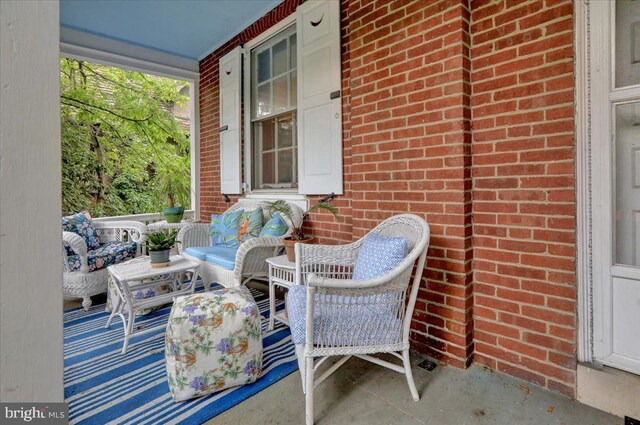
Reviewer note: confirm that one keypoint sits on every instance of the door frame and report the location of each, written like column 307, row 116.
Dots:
column 594, row 26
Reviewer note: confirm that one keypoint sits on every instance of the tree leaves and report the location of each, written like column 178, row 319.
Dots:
column 122, row 149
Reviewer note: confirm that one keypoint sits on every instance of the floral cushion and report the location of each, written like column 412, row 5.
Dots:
column 213, row 341
column 224, row 228
column 276, row 226
column 379, row 255
column 250, row 225
column 82, row 225
column 105, row 255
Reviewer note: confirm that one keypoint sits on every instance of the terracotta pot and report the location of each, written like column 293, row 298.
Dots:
column 289, row 246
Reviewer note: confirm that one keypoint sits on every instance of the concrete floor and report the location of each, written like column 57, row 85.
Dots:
column 363, row 393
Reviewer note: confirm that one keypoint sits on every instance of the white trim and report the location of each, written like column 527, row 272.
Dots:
column 194, row 139
column 246, row 109
column 583, row 182
column 274, row 30
column 293, row 197
column 80, row 45
column 625, row 94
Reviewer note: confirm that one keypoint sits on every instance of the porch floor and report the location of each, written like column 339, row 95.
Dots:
column 363, row 393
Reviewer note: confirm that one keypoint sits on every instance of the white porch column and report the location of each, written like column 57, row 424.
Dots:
column 31, row 360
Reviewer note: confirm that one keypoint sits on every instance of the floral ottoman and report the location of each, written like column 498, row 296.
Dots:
column 213, row 341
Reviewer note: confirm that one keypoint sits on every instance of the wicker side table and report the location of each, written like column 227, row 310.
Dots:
column 281, row 273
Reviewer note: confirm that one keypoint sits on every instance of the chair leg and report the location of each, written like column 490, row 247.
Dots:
column 86, row 303
column 128, row 331
column 301, row 365
column 115, row 309
column 407, row 371
column 309, row 390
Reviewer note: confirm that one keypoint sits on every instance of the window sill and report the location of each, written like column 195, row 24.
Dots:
column 275, row 194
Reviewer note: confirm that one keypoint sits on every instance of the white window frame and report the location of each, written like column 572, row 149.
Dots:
column 275, row 193
column 104, row 55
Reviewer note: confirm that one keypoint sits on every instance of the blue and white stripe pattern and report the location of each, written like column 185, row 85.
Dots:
column 103, row 386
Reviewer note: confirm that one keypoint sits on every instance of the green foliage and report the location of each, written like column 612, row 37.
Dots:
column 282, row 207
column 161, row 241
column 123, row 152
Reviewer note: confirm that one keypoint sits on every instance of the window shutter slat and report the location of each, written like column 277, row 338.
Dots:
column 319, row 100
column 230, row 83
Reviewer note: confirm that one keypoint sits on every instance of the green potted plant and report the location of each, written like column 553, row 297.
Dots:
column 297, row 234
column 177, row 192
column 159, row 246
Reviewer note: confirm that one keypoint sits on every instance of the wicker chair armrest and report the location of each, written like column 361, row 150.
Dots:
column 79, row 246
column 194, row 234
column 250, row 248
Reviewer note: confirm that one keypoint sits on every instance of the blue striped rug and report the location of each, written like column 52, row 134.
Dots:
column 103, row 386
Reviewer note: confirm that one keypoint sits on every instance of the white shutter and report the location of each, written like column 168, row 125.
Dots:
column 319, row 102
column 230, row 83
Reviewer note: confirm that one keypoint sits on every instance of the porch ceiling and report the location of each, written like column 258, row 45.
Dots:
column 189, row 29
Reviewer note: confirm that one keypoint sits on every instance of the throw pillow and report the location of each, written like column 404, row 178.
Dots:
column 276, row 226
column 81, row 224
column 250, row 225
column 379, row 255
column 224, row 229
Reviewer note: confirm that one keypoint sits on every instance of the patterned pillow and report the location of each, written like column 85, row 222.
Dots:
column 275, row 227
column 379, row 255
column 81, row 224
column 250, row 225
column 224, row 229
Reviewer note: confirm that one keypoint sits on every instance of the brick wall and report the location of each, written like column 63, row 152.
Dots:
column 524, row 189
column 460, row 112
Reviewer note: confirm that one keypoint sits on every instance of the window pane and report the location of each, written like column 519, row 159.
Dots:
column 263, row 101
column 280, row 94
column 293, row 51
column 267, row 133
column 280, row 59
column 268, row 168
column 627, row 184
column 285, row 131
column 627, row 51
column 264, row 66
column 294, row 89
column 285, row 166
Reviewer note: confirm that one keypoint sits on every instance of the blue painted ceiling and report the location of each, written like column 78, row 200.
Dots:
column 189, row 28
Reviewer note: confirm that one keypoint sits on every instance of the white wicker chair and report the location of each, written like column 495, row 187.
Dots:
column 84, row 283
column 330, row 292
column 250, row 259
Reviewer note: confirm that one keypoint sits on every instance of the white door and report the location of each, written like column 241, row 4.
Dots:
column 616, row 185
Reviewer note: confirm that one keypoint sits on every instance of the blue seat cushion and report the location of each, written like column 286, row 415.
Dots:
column 105, row 256
column 343, row 326
column 200, row 252
column 379, row 255
column 223, row 256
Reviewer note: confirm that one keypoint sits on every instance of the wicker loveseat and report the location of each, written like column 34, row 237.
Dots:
column 249, row 262
column 85, row 272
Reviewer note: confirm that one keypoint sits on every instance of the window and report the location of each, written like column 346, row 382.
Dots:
column 273, row 112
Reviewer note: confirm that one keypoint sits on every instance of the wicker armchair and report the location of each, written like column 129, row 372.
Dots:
column 250, row 259
column 348, row 317
column 83, row 283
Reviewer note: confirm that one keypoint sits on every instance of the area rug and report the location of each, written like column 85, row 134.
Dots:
column 103, row 386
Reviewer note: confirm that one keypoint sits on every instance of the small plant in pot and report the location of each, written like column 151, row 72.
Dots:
column 159, row 246
column 177, row 193
column 297, row 234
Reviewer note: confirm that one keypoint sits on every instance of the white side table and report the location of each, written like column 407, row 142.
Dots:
column 282, row 273
column 137, row 274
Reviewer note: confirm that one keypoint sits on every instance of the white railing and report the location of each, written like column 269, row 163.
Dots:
column 145, row 218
